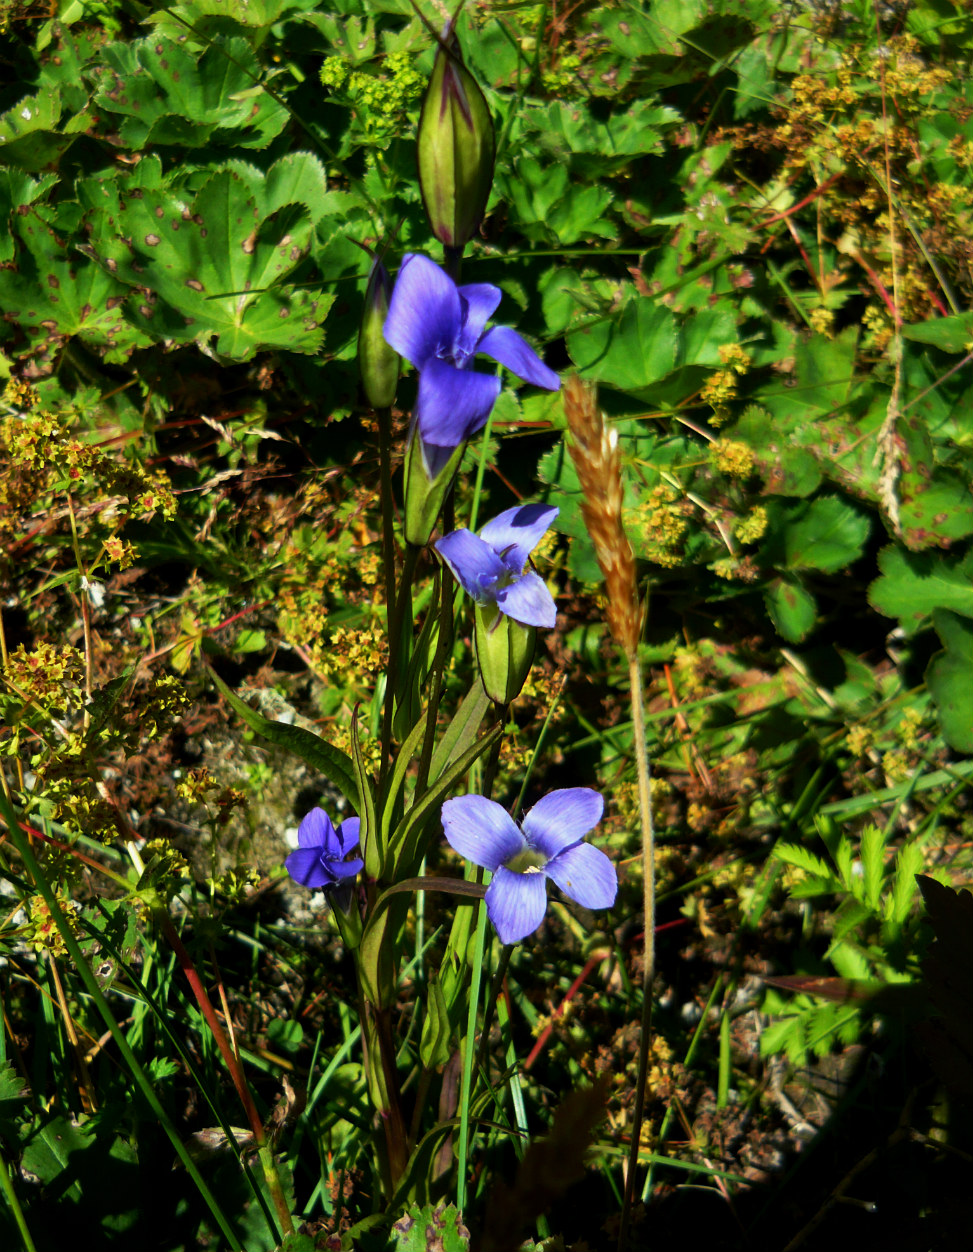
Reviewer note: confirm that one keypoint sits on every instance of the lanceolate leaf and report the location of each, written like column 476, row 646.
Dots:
column 406, row 838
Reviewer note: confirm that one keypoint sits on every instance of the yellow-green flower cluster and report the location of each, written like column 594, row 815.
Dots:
column 752, row 527
column 354, row 653
column 44, row 934
column 558, row 80
column 49, row 675
column 662, row 523
column 720, row 388
column 732, row 457
column 380, row 100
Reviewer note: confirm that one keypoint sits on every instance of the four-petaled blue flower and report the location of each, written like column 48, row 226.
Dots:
column 439, row 327
column 490, row 566
column 319, row 860
column 546, row 844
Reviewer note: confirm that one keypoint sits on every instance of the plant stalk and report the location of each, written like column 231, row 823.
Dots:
column 648, row 906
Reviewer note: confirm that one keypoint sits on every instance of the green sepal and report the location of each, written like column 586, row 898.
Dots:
column 504, row 652
column 349, row 923
column 424, row 498
column 370, row 835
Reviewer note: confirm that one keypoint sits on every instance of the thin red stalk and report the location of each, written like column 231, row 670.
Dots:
column 591, row 963
column 209, row 1013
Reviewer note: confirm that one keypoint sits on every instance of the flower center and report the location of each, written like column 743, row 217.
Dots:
column 527, row 862
column 455, row 355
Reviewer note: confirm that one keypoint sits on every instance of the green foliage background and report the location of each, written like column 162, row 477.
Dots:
column 748, row 222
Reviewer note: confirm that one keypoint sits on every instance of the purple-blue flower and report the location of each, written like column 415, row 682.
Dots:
column 490, row 566
column 439, row 327
column 319, row 860
column 548, row 843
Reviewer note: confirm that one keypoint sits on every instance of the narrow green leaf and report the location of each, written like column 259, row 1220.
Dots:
column 396, row 782
column 462, row 729
column 404, row 845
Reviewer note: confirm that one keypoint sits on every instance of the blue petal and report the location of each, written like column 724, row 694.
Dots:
column 586, row 875
column 507, row 347
column 306, row 867
column 348, row 833
column 518, row 531
column 346, row 869
column 562, row 818
column 528, row 601
column 453, row 404
column 481, row 830
column 516, row 903
column 474, row 563
column 425, row 314
column 479, row 302
column 316, row 831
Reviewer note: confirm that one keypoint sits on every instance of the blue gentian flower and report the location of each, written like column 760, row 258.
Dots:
column 319, row 860
column 548, row 843
column 439, row 327
column 490, row 566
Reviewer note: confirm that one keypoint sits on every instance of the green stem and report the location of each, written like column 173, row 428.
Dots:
column 22, row 844
column 388, row 562
column 6, row 1184
column 401, row 598
column 466, row 1088
column 444, row 645
column 648, row 907
column 452, row 262
column 496, row 986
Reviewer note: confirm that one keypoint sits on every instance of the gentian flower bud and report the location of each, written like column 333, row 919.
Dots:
column 378, row 363
column 456, row 148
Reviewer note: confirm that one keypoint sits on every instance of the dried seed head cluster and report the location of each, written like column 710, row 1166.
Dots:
column 594, row 450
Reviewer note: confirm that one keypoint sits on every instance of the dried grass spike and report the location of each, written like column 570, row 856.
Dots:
column 594, row 451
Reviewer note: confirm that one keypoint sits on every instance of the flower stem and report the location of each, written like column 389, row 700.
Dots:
column 452, row 262
column 397, row 612
column 648, row 906
column 388, row 555
column 444, row 646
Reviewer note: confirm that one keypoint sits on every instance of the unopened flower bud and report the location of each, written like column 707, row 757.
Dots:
column 378, row 363
column 456, row 148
